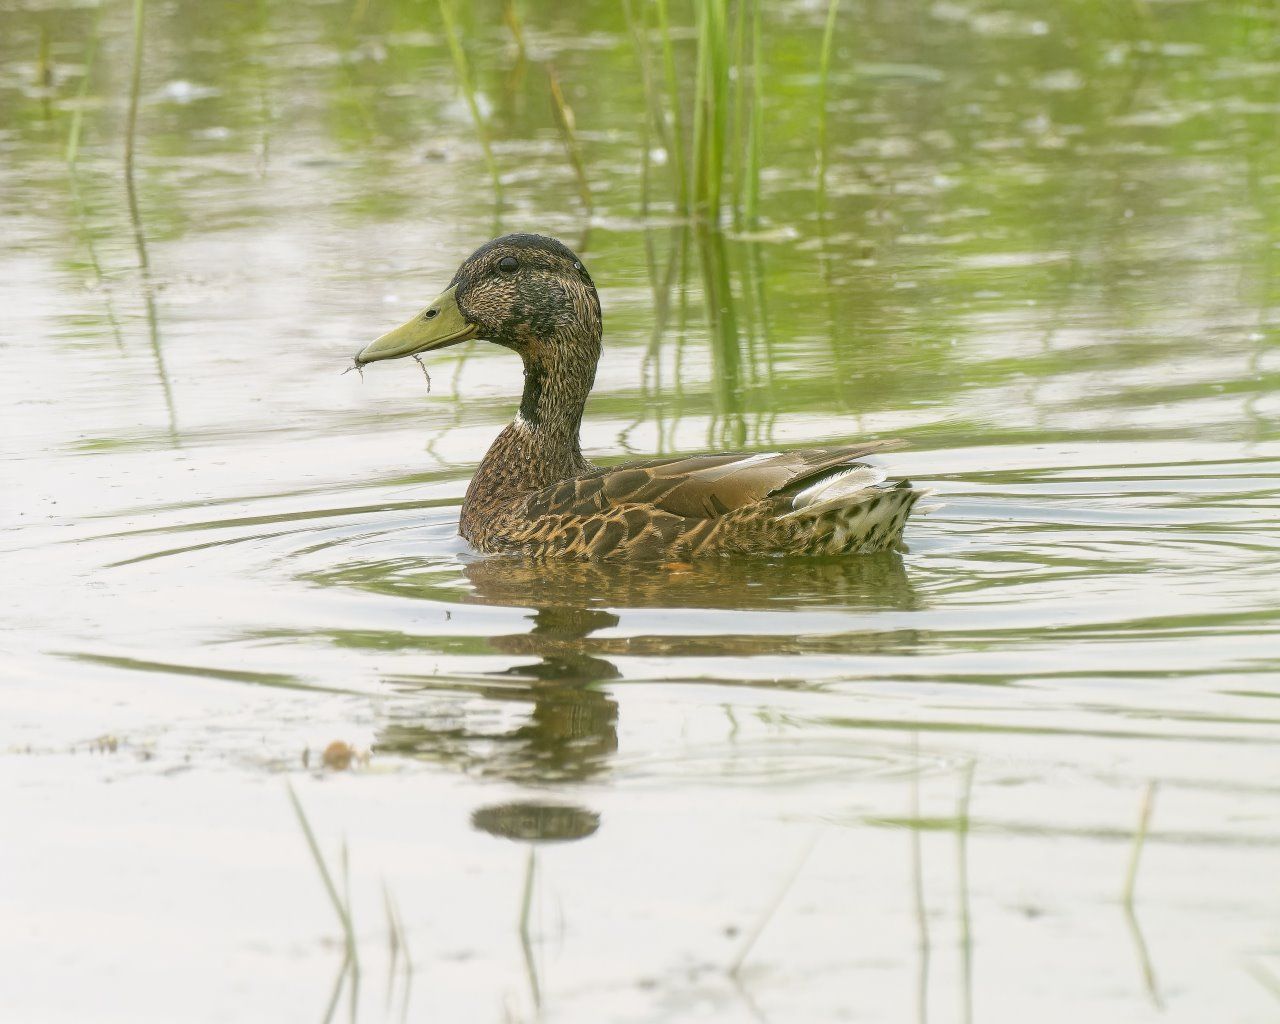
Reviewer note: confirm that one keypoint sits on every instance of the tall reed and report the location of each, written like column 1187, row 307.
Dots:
column 569, row 136
column 135, row 215
column 341, row 903
column 824, row 75
column 755, row 137
column 676, row 149
column 72, row 154
column 719, row 157
column 135, row 89
column 711, row 109
column 463, row 70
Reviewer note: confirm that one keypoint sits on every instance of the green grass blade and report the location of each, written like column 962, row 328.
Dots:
column 824, row 74
column 676, row 150
column 77, row 115
column 751, row 199
column 569, row 136
column 739, row 141
column 329, row 887
column 463, row 70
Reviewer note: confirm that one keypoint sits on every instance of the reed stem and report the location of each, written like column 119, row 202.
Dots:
column 569, row 135
column 751, row 201
column 824, row 74
column 673, row 100
column 463, row 70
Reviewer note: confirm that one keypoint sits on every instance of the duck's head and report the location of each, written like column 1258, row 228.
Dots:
column 528, row 293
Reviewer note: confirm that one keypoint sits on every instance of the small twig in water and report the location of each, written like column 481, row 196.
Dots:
column 418, row 360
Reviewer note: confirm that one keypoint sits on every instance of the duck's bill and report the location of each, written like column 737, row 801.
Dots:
column 440, row 325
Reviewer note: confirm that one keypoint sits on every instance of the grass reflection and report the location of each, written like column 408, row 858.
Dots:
column 728, row 428
column 923, row 946
column 79, row 208
column 135, row 217
column 962, row 871
column 737, row 330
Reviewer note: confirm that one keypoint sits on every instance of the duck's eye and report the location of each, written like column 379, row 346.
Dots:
column 508, row 264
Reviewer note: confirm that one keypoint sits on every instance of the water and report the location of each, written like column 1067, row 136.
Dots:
column 888, row 788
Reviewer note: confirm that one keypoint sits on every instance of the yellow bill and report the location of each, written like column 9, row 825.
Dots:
column 440, row 325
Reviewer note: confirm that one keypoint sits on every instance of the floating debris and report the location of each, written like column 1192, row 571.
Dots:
column 339, row 756
column 418, row 359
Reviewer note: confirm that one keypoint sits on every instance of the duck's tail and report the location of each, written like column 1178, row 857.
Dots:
column 851, row 512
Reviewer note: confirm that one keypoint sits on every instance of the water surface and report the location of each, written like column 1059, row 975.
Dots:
column 888, row 788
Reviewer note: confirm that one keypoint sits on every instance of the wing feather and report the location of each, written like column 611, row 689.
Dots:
column 697, row 486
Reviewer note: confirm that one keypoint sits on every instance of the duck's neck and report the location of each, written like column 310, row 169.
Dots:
column 542, row 445
column 557, row 381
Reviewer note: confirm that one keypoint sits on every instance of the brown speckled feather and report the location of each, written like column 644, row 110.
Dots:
column 693, row 506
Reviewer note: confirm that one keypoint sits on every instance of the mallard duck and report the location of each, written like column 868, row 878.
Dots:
column 535, row 495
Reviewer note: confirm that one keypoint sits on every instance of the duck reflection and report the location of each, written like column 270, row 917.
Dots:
column 564, row 726
column 570, row 729
column 533, row 821
column 867, row 581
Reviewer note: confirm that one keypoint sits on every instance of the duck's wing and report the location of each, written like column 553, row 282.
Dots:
column 697, row 486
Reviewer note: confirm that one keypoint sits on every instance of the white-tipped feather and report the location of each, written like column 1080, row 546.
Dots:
column 751, row 460
column 851, row 512
column 843, row 484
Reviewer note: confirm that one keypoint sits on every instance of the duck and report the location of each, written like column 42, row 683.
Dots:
column 535, row 495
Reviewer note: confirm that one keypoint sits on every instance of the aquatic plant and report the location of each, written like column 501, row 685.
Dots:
column 135, row 215
column 135, row 89
column 676, row 132
column 710, row 109
column 399, row 959
column 78, row 206
column 341, row 905
column 1139, row 840
column 725, row 137
column 755, row 136
column 824, row 75
column 463, row 70
column 569, row 136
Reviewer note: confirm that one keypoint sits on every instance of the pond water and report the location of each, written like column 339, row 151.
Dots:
column 901, row 787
